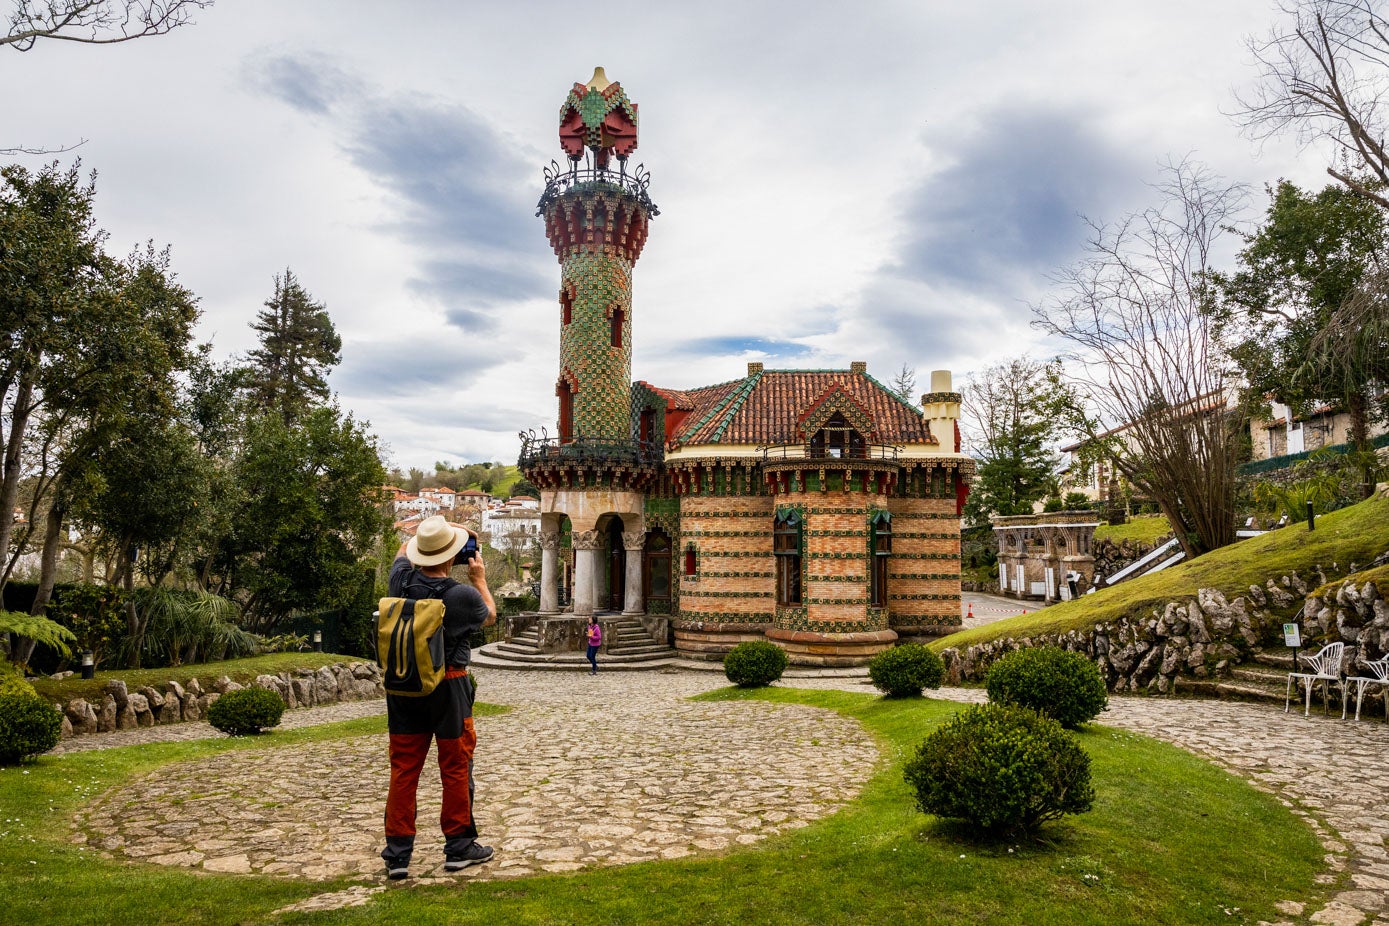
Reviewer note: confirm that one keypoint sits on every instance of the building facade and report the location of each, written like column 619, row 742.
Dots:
column 812, row 508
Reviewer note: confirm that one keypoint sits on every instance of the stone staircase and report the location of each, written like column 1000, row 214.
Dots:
column 627, row 647
column 1265, row 679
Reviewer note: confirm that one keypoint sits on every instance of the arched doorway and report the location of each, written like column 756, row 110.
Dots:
column 617, row 566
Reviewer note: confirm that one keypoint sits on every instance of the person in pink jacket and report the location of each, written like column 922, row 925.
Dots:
column 594, row 631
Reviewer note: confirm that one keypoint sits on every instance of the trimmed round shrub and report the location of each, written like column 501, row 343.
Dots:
column 1064, row 686
column 246, row 711
column 1002, row 769
column 29, row 725
column 904, row 671
column 754, row 664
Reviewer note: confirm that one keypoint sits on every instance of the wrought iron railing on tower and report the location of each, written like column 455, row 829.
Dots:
column 559, row 179
column 542, row 448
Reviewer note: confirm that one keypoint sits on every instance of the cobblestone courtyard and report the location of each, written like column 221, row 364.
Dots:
column 618, row 768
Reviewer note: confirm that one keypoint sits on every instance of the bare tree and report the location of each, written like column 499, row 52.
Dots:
column 91, row 22
column 1146, row 355
column 1324, row 74
column 95, row 22
column 904, row 384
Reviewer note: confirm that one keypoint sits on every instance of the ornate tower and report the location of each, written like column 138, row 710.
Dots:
column 592, row 476
column 596, row 219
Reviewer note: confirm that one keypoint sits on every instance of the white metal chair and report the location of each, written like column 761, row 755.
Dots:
column 1378, row 675
column 1325, row 667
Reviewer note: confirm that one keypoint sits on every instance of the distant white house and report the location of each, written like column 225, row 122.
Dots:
column 513, row 526
column 1285, row 433
column 445, row 496
column 417, row 503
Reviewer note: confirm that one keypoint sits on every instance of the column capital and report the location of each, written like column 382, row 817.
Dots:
column 549, row 540
column 587, row 540
column 634, row 541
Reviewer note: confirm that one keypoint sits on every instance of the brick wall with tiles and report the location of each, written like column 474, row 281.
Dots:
column 731, row 597
column 836, row 566
column 924, row 571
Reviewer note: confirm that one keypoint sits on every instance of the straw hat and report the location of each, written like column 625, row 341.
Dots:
column 436, row 541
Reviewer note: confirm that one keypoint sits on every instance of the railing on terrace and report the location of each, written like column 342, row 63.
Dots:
column 559, row 179
column 1271, row 464
column 545, row 449
column 807, row 452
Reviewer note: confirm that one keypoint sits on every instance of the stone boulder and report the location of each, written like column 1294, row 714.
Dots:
column 82, row 717
column 140, row 706
column 153, row 698
column 304, row 690
column 106, row 717
column 125, row 714
column 325, row 686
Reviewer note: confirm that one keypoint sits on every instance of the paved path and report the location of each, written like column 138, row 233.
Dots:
column 583, row 771
column 567, row 781
column 980, row 608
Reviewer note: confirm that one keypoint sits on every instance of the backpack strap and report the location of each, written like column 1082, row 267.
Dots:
column 413, row 581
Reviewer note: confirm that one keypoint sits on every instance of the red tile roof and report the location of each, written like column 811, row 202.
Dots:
column 764, row 407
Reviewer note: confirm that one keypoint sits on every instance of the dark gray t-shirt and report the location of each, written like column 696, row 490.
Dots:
column 464, row 610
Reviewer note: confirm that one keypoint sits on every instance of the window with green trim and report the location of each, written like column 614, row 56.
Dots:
column 880, row 541
column 786, row 545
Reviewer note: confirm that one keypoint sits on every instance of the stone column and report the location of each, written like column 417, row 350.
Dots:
column 585, row 570
column 634, row 542
column 549, row 572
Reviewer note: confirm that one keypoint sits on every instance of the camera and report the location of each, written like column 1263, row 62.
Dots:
column 465, row 555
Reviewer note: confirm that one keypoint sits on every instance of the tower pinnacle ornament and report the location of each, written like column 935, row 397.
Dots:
column 598, row 116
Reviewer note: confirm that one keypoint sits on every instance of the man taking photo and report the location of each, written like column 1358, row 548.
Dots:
column 421, row 570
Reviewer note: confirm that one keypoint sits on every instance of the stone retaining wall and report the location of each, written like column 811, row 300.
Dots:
column 122, row 709
column 1201, row 639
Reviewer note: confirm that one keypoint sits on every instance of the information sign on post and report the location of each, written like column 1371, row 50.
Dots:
column 1292, row 637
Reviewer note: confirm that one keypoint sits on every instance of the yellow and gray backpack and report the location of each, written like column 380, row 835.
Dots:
column 410, row 645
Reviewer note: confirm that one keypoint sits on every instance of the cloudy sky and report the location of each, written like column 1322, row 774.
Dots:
column 882, row 181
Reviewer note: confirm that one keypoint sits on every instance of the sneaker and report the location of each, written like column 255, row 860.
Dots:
column 397, row 871
column 473, row 855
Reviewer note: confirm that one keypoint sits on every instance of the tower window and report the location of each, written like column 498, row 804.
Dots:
column 566, row 305
column 566, row 412
column 617, row 317
column 691, row 560
column 786, row 546
column 880, row 532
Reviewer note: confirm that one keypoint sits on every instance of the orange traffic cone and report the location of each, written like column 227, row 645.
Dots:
column 971, row 610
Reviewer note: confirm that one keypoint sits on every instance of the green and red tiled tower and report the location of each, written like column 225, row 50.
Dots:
column 596, row 219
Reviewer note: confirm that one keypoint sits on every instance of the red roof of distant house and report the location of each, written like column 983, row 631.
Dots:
column 473, row 493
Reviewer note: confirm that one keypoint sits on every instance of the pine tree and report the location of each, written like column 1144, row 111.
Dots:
column 298, row 346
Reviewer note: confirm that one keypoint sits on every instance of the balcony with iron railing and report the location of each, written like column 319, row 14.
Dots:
column 559, row 180
column 583, row 450
column 821, row 454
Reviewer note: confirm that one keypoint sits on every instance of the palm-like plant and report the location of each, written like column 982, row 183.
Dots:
column 40, row 629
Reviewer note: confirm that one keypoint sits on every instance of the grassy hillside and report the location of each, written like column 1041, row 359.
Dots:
column 1143, row 529
column 503, row 479
column 1352, row 535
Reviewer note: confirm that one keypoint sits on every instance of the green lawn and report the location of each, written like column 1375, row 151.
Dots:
column 1171, row 840
column 241, row 671
column 1145, row 528
column 1352, row 535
